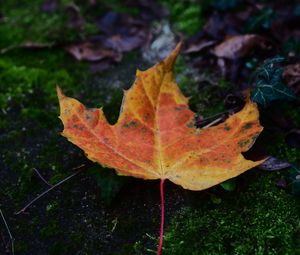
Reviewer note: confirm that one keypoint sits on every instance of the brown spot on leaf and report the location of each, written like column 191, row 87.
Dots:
column 144, row 130
column 243, row 143
column 191, row 124
column 226, row 127
column 130, row 124
column 147, row 116
column 247, row 126
column 179, row 108
column 87, row 116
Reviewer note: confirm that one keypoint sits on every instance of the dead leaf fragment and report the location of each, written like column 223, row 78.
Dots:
column 92, row 52
column 123, row 43
column 199, row 46
column 155, row 136
column 273, row 164
column 239, row 46
column 291, row 75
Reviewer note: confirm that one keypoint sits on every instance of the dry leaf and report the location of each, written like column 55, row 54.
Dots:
column 291, row 75
column 92, row 52
column 274, row 164
column 199, row 46
column 155, row 136
column 239, row 46
column 123, row 43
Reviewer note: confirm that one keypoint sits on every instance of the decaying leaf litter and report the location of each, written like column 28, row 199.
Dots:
column 233, row 69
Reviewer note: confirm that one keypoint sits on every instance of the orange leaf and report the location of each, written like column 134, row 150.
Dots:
column 155, row 136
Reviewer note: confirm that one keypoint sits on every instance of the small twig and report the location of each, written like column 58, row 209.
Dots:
column 232, row 110
column 12, row 240
column 27, row 45
column 51, row 188
column 115, row 223
column 42, row 178
column 213, row 123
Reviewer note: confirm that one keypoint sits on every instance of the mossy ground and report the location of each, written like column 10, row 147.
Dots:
column 87, row 216
column 257, row 218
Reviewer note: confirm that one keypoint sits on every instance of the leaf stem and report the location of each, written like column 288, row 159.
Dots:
column 162, row 206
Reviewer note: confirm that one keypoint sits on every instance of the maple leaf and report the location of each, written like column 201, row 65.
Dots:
column 155, row 136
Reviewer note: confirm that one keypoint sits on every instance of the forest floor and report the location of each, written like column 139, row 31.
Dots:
column 92, row 49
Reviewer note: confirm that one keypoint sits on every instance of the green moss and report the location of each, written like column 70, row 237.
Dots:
column 58, row 247
column 119, row 6
column 291, row 45
column 204, row 90
column 29, row 112
column 21, row 246
column 281, row 150
column 52, row 207
column 51, row 230
column 262, row 219
column 20, row 84
column 26, row 22
column 185, row 15
column 279, row 147
column 292, row 113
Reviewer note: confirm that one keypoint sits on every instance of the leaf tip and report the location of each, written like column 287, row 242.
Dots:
column 170, row 60
column 59, row 92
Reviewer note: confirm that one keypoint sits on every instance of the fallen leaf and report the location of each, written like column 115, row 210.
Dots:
column 199, row 46
column 291, row 75
column 123, row 43
column 121, row 32
column 155, row 136
column 113, row 23
column 274, row 164
column 239, row 46
column 91, row 52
